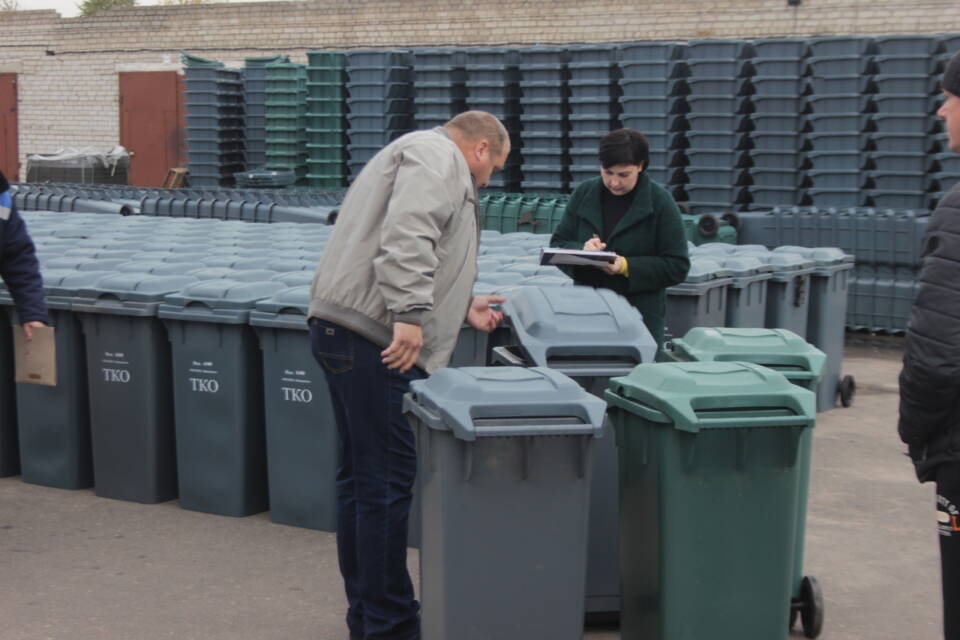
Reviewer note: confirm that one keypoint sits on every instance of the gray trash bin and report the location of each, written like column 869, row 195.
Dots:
column 218, row 396
column 303, row 449
column 699, row 301
column 54, row 422
column 590, row 335
column 826, row 319
column 504, row 466
column 788, row 294
column 747, row 294
column 131, row 399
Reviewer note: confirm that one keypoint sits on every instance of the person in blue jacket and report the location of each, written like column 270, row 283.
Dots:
column 19, row 267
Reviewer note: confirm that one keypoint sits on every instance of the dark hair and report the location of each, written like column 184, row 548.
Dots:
column 624, row 146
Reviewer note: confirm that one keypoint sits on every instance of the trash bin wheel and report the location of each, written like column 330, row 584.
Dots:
column 731, row 219
column 707, row 225
column 811, row 608
column 848, row 389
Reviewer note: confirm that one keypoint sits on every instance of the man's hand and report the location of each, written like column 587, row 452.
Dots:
column 481, row 316
column 405, row 348
column 594, row 244
column 29, row 326
column 615, row 267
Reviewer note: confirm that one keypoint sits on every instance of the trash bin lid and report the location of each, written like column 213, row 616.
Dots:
column 740, row 266
column 524, row 268
column 241, row 275
column 778, row 349
column 84, row 264
column 156, row 268
column 295, row 278
column 486, row 264
column 289, row 300
column 474, row 402
column 235, row 261
column 699, row 395
column 128, row 294
column 223, row 300
column 500, row 277
column 822, row 256
column 714, row 248
column 547, row 280
column 282, row 265
column 784, row 261
column 591, row 331
column 705, row 269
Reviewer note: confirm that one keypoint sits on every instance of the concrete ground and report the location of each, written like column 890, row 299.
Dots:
column 85, row 568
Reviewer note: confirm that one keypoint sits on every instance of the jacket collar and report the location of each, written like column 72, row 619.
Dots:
column 641, row 208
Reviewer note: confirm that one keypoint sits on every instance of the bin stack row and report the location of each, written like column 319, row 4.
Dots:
column 439, row 86
column 493, row 85
column 215, row 125
column 594, row 104
column 886, row 244
column 255, row 109
column 326, row 120
column 379, row 83
column 544, row 113
column 719, row 89
column 286, row 122
column 652, row 90
column 777, row 162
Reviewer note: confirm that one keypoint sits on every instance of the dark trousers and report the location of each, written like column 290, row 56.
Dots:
column 948, row 523
column 374, row 482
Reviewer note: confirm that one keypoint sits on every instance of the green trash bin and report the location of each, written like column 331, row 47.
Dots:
column 131, row 400
column 218, row 395
column 709, row 474
column 505, row 471
column 801, row 363
column 303, row 449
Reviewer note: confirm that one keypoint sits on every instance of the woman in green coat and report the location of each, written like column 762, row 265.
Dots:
column 624, row 211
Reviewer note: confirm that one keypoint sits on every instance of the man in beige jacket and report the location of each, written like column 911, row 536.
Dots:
column 388, row 300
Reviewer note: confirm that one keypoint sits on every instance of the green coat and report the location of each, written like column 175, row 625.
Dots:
column 650, row 236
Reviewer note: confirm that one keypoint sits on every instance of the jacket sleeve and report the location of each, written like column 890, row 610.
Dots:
column 672, row 261
column 420, row 206
column 567, row 236
column 19, row 267
column 930, row 378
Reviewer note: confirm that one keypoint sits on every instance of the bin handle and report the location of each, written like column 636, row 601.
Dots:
column 505, row 355
column 655, row 415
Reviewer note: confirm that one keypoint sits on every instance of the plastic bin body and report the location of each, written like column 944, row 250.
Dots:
column 747, row 299
column 218, row 402
column 590, row 335
column 508, row 461
column 708, row 521
column 131, row 400
column 700, row 301
column 303, row 449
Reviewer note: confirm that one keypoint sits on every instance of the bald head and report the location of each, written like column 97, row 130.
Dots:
column 476, row 126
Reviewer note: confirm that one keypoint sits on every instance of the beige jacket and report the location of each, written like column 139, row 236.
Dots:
column 404, row 247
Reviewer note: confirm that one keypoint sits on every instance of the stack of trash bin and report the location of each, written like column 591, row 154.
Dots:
column 255, row 109
column 841, row 94
column 906, row 67
column 379, row 83
column 493, row 85
column 778, row 171
column 652, row 101
column 594, row 105
column 544, row 126
column 439, row 92
column 286, row 123
column 215, row 125
column 720, row 86
column 326, row 119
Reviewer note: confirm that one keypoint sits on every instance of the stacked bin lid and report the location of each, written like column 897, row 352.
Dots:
column 325, row 119
column 594, row 105
column 544, row 109
column 906, row 67
column 380, row 103
column 719, row 88
column 652, row 89
column 493, row 85
column 215, row 124
column 255, row 109
column 841, row 88
column 439, row 89
column 779, row 124
column 286, row 118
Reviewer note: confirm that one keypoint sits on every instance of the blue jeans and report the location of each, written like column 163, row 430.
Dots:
column 374, row 482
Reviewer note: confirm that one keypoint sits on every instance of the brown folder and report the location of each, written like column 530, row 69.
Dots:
column 36, row 359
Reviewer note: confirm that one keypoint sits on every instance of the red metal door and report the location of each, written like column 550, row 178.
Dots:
column 151, row 129
column 9, row 133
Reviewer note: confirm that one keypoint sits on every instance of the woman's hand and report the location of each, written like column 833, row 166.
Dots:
column 594, row 244
column 616, row 267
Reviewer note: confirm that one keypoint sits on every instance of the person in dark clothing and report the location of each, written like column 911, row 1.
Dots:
column 626, row 212
column 18, row 265
column 930, row 380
